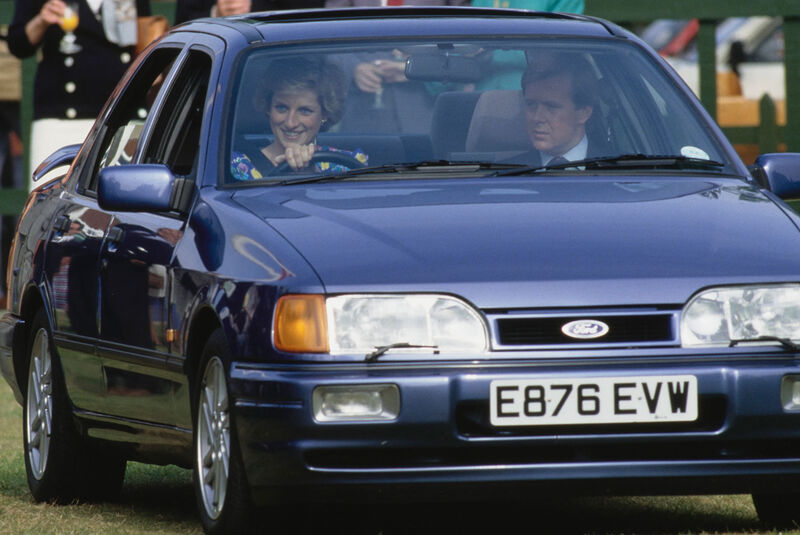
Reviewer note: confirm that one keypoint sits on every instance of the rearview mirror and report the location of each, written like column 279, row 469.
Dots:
column 443, row 68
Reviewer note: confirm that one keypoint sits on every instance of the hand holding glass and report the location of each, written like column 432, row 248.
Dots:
column 69, row 21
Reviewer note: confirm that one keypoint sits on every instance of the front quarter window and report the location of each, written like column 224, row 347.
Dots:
column 175, row 141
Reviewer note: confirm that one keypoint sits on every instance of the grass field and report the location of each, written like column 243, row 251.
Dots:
column 159, row 500
column 155, row 500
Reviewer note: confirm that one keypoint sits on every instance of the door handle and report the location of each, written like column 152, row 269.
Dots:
column 115, row 235
column 61, row 224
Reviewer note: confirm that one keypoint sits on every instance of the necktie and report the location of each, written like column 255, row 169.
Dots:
column 558, row 160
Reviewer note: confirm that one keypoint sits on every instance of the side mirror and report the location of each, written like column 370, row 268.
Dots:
column 61, row 157
column 136, row 188
column 779, row 173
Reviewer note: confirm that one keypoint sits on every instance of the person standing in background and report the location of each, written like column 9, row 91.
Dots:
column 379, row 3
column 505, row 67
column 186, row 10
column 83, row 56
column 10, row 145
column 564, row 6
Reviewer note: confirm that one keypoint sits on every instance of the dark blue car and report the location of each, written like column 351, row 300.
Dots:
column 408, row 253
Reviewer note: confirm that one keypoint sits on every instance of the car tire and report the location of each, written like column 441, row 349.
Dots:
column 60, row 466
column 778, row 510
column 221, row 490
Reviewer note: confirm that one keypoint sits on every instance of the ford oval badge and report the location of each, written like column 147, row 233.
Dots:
column 585, row 329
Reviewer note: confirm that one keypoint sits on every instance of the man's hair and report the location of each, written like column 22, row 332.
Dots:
column 583, row 82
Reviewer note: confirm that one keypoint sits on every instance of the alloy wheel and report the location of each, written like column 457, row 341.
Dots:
column 39, row 420
column 213, row 438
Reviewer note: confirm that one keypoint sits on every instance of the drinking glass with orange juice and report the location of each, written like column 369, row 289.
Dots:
column 69, row 21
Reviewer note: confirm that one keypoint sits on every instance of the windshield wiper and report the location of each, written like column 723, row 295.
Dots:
column 632, row 161
column 318, row 177
column 785, row 342
column 372, row 357
column 396, row 168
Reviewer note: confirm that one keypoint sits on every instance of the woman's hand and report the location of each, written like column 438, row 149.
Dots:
column 370, row 76
column 52, row 11
column 50, row 14
column 367, row 77
column 392, row 71
column 297, row 156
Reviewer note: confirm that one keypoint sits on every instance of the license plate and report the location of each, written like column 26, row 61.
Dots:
column 596, row 400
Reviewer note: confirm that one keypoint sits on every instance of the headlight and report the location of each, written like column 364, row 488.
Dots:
column 719, row 315
column 363, row 323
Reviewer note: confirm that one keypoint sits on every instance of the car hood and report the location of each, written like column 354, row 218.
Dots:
column 506, row 243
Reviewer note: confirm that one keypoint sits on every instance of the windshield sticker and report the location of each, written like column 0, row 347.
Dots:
column 694, row 152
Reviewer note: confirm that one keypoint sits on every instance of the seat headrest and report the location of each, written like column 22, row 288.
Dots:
column 498, row 123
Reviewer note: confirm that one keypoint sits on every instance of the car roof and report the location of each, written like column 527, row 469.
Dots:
column 355, row 23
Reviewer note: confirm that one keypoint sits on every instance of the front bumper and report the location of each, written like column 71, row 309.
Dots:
column 442, row 444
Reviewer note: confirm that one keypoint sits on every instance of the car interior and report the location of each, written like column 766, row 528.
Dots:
column 468, row 121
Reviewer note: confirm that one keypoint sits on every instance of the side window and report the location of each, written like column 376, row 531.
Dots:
column 176, row 137
column 118, row 137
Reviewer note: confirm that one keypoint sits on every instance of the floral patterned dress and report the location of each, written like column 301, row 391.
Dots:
column 243, row 167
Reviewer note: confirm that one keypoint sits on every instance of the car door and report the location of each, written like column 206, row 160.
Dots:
column 134, row 266
column 81, row 228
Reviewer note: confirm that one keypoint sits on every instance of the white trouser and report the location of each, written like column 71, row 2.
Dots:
column 49, row 135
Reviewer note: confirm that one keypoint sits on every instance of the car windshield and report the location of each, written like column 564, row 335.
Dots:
column 395, row 108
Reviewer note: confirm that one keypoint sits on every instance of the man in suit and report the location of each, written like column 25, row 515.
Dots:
column 558, row 95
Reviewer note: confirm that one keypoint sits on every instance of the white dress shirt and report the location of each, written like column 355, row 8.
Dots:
column 578, row 152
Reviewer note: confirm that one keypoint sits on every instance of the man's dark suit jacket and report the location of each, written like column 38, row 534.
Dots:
column 534, row 159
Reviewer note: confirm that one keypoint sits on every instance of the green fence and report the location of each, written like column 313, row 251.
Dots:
column 767, row 135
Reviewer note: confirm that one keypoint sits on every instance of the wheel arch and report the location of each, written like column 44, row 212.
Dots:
column 204, row 323
column 32, row 301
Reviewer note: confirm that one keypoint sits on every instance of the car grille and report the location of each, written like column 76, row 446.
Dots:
column 536, row 330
